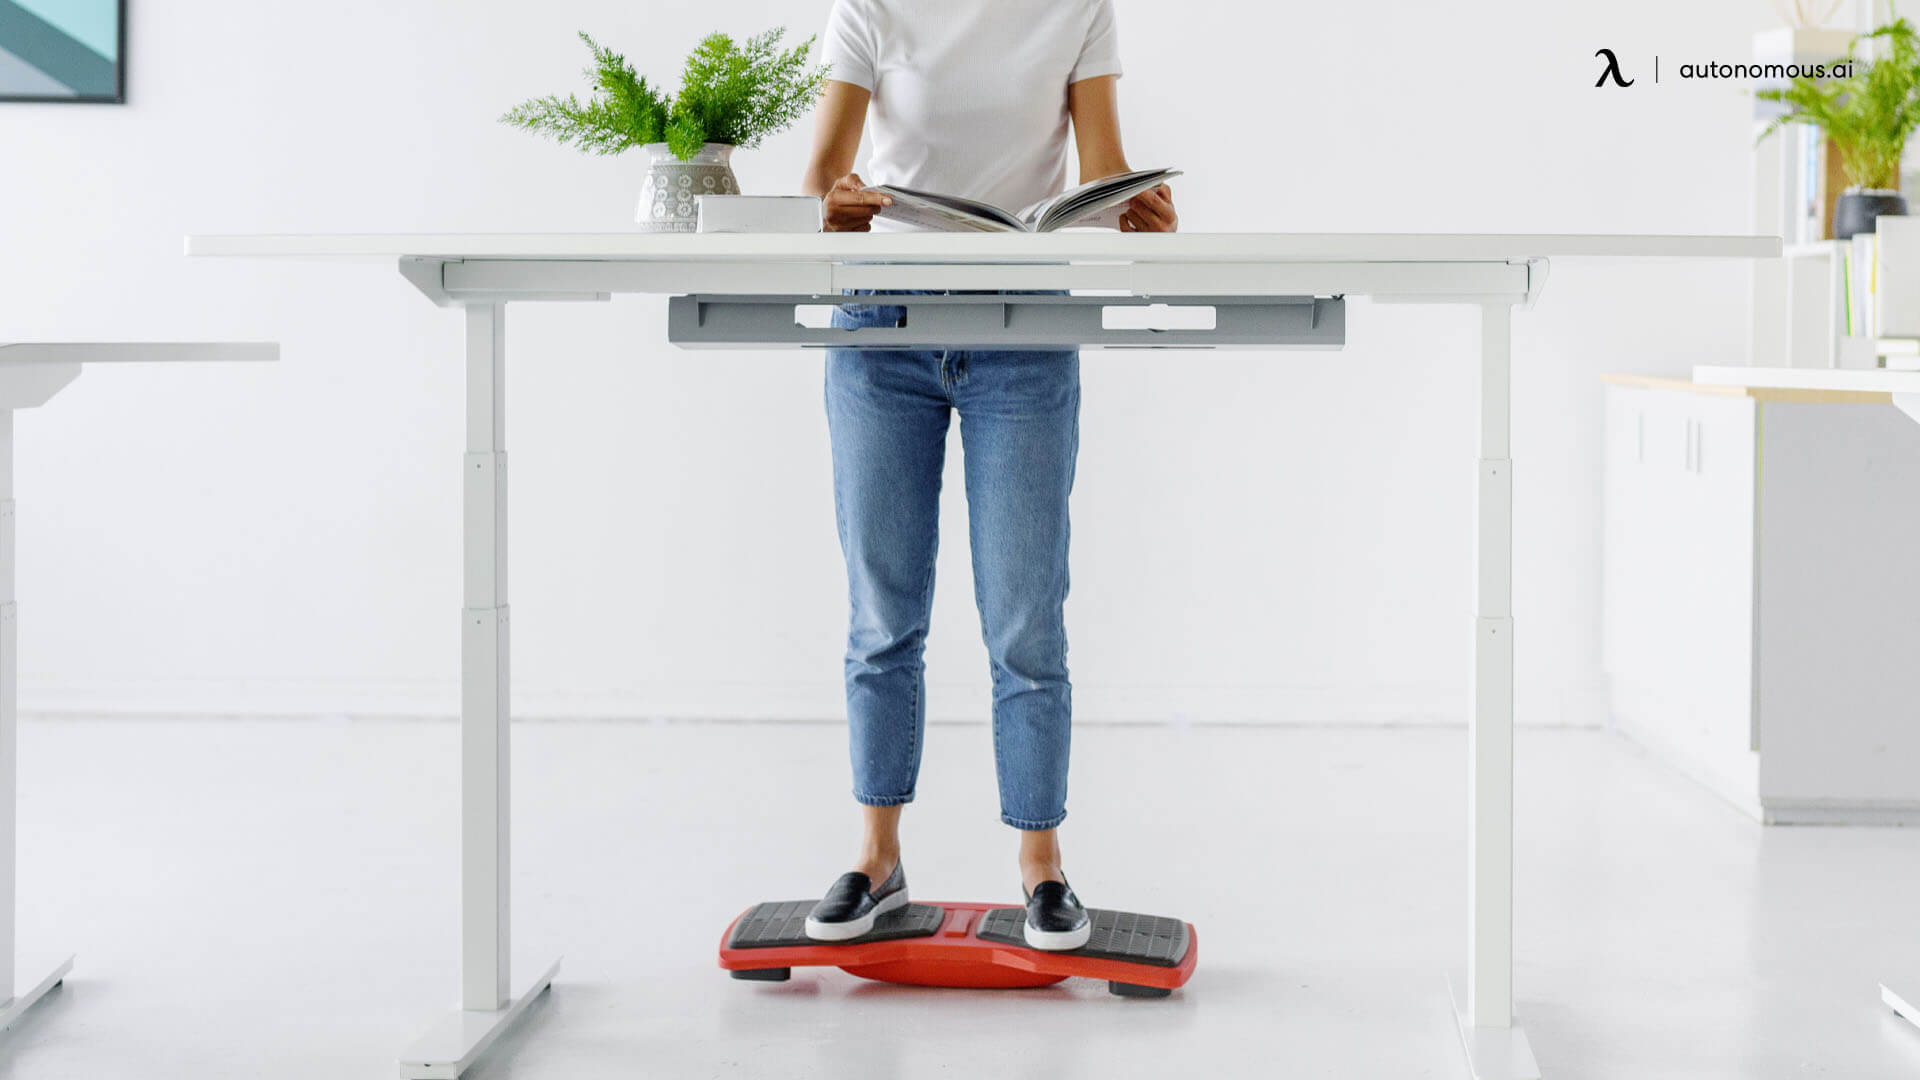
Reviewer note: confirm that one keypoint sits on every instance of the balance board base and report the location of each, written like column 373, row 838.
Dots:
column 964, row 945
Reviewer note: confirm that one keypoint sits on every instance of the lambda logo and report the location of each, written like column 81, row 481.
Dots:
column 1612, row 70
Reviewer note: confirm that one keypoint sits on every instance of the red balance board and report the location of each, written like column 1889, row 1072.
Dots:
column 977, row 945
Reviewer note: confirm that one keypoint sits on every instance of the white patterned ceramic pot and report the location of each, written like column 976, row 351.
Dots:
column 666, row 197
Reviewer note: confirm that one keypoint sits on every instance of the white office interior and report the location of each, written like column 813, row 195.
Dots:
column 247, row 790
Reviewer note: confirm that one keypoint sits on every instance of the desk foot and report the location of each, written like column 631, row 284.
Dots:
column 458, row 1040
column 1493, row 1053
column 1903, row 997
column 13, row 1010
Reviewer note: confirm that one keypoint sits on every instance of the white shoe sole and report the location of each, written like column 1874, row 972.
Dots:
column 1057, row 940
column 853, row 928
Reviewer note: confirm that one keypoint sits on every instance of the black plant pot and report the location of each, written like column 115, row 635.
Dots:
column 1855, row 211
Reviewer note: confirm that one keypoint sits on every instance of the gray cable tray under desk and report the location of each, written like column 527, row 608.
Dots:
column 1005, row 320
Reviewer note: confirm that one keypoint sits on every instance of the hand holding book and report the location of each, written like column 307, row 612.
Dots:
column 1150, row 211
column 849, row 206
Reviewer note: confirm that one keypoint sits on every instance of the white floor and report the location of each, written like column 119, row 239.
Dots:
column 276, row 899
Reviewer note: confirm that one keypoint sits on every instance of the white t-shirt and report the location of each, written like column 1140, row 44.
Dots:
column 970, row 96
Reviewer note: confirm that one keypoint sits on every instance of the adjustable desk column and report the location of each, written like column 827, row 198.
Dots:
column 488, row 1005
column 1486, row 1014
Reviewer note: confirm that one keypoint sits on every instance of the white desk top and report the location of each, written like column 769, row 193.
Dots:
column 32, row 372
column 992, row 247
column 1882, row 382
column 136, row 352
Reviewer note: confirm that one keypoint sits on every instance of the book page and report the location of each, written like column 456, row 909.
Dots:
column 944, row 213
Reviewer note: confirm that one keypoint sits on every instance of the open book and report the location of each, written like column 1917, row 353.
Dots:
column 1087, row 204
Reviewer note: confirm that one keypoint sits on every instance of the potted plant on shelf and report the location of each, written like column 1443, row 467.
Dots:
column 730, row 96
column 1867, row 116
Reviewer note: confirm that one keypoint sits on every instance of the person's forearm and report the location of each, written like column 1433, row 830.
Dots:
column 840, row 117
column 1096, row 170
column 816, row 181
column 1102, row 158
column 1094, row 106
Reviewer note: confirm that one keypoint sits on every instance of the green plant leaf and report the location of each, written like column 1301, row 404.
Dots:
column 1867, row 116
column 742, row 93
column 729, row 93
column 685, row 136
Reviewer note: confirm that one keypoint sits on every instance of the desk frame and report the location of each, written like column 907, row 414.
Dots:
column 30, row 375
column 1496, row 1047
column 484, row 273
column 24, row 384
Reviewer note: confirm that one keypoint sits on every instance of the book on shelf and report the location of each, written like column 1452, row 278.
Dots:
column 1880, row 297
column 1804, row 185
column 1836, row 304
column 1096, row 202
column 1859, row 285
column 1845, row 258
column 1863, row 285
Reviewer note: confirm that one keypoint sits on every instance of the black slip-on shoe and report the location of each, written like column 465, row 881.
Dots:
column 850, row 907
column 1056, row 921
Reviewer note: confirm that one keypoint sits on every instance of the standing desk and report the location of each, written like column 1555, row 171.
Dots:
column 1267, row 290
column 30, row 374
column 1901, row 993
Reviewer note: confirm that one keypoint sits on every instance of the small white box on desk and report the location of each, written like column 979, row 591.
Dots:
column 758, row 213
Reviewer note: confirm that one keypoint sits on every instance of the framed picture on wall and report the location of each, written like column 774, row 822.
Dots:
column 63, row 51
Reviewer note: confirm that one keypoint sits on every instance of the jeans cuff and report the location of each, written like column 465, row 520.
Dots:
column 1034, row 826
column 883, row 800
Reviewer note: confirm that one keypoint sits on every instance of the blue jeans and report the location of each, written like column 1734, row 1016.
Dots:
column 887, row 412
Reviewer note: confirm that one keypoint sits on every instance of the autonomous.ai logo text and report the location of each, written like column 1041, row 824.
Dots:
column 1612, row 70
column 1764, row 71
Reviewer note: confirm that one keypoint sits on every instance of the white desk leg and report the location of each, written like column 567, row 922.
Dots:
column 13, row 1004
column 1496, row 1047
column 487, row 1004
column 1903, row 995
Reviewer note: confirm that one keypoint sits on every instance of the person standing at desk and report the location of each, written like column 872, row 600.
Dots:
column 973, row 98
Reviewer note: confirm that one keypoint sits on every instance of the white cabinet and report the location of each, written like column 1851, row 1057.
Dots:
column 1761, row 594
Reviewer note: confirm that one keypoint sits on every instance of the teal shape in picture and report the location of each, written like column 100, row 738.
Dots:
column 93, row 23
column 61, row 50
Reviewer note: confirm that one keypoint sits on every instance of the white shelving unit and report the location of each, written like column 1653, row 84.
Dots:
column 1798, row 312
column 1798, row 283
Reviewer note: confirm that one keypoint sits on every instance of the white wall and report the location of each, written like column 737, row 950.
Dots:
column 1257, row 536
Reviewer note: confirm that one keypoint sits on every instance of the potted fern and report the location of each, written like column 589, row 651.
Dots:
column 731, row 95
column 1867, row 116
